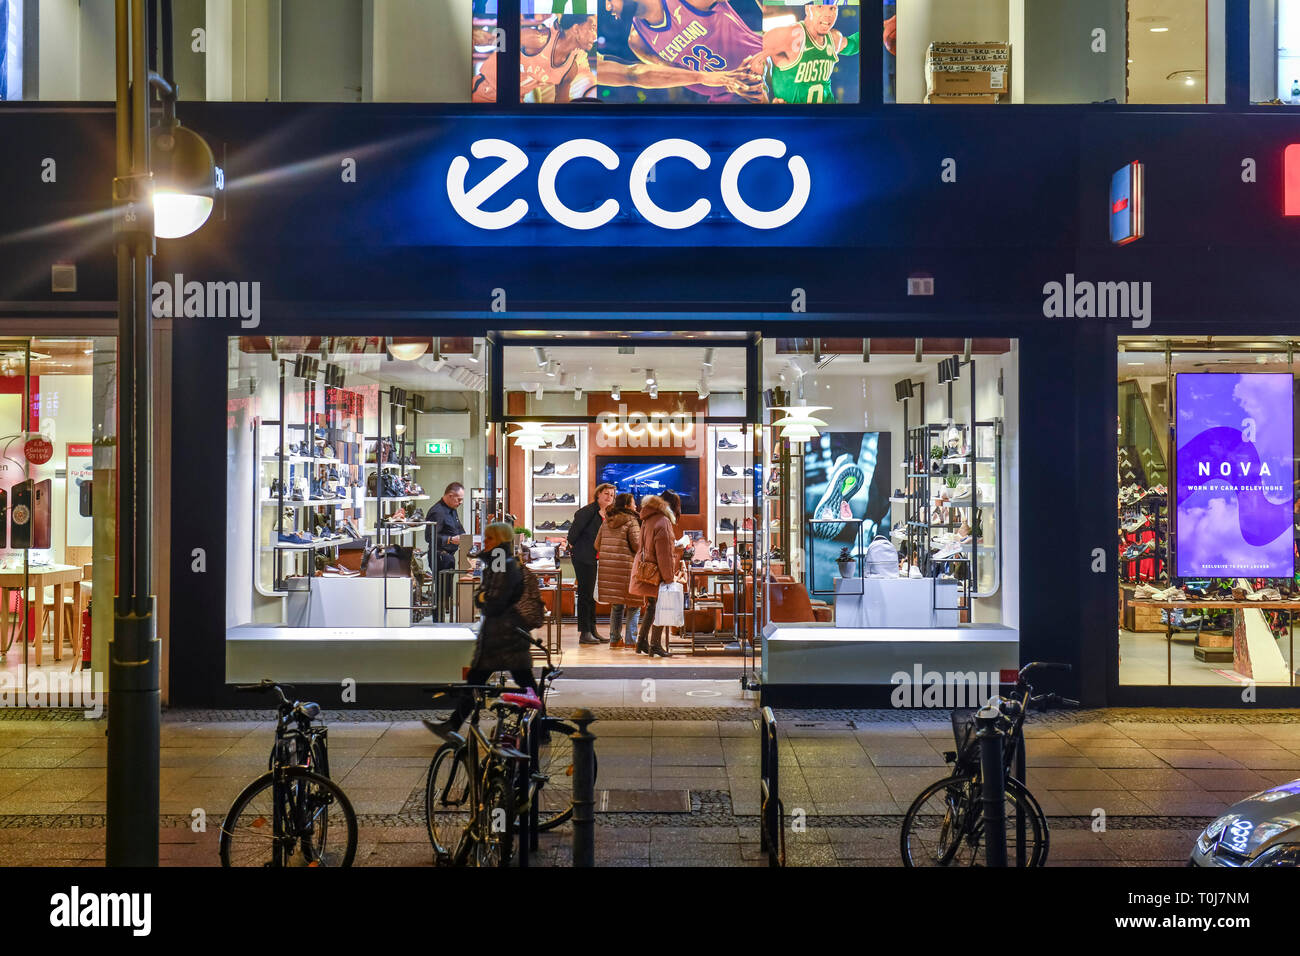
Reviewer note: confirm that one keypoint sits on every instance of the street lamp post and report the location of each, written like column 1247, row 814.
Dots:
column 134, row 695
column 174, row 204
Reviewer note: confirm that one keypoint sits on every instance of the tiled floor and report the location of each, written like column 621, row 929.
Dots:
column 850, row 780
column 1145, row 659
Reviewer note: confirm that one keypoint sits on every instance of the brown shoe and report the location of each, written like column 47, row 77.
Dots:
column 615, row 643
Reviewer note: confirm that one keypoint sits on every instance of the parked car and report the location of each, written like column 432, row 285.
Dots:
column 1263, row 830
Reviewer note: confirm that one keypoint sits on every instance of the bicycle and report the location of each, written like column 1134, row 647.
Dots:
column 469, row 793
column 944, row 826
column 283, row 818
column 549, row 786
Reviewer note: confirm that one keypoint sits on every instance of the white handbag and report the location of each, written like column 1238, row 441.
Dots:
column 670, row 606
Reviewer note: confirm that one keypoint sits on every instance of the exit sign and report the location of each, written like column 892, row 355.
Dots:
column 432, row 448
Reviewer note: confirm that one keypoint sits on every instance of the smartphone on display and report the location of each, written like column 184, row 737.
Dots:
column 20, row 516
column 86, row 490
column 42, row 513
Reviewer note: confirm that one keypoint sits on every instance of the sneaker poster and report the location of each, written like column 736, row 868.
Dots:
column 846, row 499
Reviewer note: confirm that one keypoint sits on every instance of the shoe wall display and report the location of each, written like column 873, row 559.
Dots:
column 555, row 477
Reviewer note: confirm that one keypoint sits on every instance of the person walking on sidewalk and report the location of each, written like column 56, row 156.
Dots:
column 503, row 637
column 582, row 546
column 658, row 516
column 619, row 541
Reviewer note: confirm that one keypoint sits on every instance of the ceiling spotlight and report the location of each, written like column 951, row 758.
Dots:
column 708, row 358
column 654, row 391
column 615, row 393
column 1159, row 29
column 541, row 356
column 703, row 390
column 541, row 389
column 473, row 355
column 577, row 393
column 649, row 376
column 551, row 368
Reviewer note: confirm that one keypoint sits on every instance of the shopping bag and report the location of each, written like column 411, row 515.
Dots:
column 670, row 606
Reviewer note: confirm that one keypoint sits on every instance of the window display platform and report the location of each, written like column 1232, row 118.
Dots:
column 369, row 655
column 822, row 663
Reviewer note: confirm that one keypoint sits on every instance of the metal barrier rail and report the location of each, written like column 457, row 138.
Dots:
column 772, row 811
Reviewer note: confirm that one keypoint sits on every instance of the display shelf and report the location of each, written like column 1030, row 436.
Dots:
column 374, row 499
column 535, row 484
column 308, row 503
column 305, row 459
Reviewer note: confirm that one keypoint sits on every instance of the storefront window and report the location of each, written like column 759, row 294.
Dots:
column 1054, row 51
column 57, row 502
column 328, row 51
column 339, row 451
column 1207, row 538
column 1275, row 52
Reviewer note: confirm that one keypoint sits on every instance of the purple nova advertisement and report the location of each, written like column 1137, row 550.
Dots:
column 1235, row 471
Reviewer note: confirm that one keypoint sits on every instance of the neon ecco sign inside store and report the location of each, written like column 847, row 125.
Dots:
column 468, row 203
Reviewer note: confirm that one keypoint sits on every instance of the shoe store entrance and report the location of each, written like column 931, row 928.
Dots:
column 631, row 466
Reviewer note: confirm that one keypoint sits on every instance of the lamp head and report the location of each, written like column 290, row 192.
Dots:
column 185, row 181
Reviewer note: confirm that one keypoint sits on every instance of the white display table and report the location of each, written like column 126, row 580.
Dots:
column 349, row 602
column 896, row 602
column 428, row 654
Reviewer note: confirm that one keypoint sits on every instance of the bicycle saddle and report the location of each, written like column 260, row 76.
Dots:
column 530, row 701
column 307, row 709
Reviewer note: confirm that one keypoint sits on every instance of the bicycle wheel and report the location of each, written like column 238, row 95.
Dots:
column 447, row 799
column 944, row 826
column 555, row 760
column 495, row 838
column 310, row 804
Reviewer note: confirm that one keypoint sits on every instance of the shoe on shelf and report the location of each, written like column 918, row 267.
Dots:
column 747, row 472
column 570, row 442
column 546, row 469
column 729, row 472
column 726, row 525
column 726, row 445
column 564, row 526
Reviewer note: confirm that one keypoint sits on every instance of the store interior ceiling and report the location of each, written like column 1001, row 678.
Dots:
column 1146, row 357
column 48, row 356
column 1166, row 51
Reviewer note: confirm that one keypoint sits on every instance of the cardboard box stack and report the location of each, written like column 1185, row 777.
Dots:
column 968, row 71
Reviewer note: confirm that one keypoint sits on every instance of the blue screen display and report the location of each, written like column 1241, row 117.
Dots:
column 644, row 475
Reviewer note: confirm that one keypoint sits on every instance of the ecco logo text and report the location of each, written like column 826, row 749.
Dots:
column 468, row 203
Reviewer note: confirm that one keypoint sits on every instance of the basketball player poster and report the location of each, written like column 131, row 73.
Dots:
column 483, row 40
column 556, row 55
column 728, row 51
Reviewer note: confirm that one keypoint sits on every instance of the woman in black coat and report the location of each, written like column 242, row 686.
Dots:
column 503, row 639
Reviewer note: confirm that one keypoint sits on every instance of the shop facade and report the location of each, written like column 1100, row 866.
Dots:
column 944, row 280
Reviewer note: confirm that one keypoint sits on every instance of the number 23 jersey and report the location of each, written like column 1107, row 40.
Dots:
column 713, row 40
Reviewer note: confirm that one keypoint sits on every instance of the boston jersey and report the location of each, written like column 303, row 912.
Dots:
column 714, row 41
column 806, row 79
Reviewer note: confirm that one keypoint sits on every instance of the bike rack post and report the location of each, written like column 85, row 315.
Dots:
column 1020, row 810
column 993, row 785
column 584, row 790
column 771, row 828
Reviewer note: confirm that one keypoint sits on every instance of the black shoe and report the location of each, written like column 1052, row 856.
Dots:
column 660, row 652
column 729, row 472
column 546, row 469
column 642, row 647
column 599, row 639
column 442, row 728
column 585, row 638
column 725, row 444
column 726, row 525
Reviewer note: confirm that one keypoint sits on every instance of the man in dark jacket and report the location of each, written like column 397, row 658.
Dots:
column 582, row 546
column 442, row 535
column 502, row 635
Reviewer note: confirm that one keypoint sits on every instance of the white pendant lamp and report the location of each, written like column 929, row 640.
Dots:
column 799, row 425
column 529, row 435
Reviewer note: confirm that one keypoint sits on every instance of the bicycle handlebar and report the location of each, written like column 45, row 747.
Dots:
column 263, row 686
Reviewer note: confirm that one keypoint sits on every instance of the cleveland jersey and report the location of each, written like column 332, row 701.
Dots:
column 711, row 41
column 807, row 79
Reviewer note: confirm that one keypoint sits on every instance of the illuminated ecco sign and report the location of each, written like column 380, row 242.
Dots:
column 468, row 203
